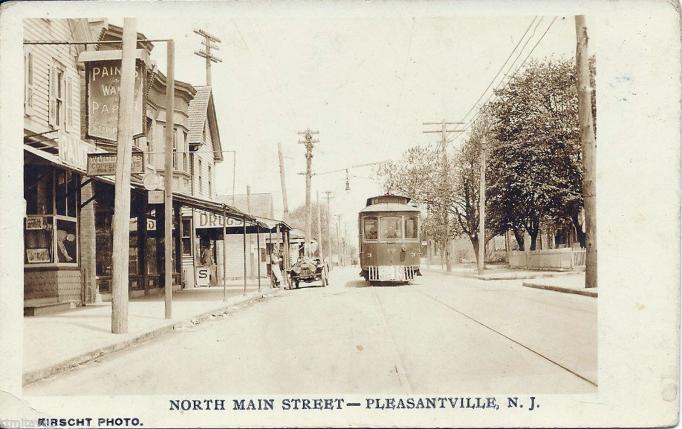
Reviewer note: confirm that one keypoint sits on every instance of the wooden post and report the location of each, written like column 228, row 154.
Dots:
column 168, row 180
column 589, row 146
column 285, row 203
column 481, row 210
column 319, row 228
column 250, row 247
column 244, row 245
column 258, row 253
column 329, row 229
column 121, row 221
column 224, row 253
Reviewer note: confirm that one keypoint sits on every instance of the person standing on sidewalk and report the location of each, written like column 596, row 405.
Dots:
column 208, row 261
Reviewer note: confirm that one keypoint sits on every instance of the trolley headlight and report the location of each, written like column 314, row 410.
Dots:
column 369, row 254
column 404, row 249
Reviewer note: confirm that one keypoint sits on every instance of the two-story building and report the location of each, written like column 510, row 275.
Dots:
column 71, row 100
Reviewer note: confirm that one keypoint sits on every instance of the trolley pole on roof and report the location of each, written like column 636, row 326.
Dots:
column 308, row 141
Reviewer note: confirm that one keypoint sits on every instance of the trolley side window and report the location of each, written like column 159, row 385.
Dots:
column 391, row 228
column 371, row 228
column 411, row 227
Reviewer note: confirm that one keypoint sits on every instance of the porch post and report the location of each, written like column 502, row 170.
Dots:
column 258, row 255
column 244, row 248
column 224, row 253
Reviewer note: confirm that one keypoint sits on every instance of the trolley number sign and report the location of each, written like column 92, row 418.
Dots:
column 104, row 164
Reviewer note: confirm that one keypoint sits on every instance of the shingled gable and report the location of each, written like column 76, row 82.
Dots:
column 201, row 109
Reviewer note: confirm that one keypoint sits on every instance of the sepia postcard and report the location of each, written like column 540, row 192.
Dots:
column 340, row 214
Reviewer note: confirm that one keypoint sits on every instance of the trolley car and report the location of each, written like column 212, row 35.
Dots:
column 390, row 249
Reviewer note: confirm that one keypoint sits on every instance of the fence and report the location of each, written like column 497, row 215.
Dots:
column 549, row 259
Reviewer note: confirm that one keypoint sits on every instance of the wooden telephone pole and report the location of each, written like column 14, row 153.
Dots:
column 121, row 221
column 481, row 208
column 589, row 146
column 285, row 202
column 444, row 131
column 328, row 194
column 319, row 228
column 308, row 141
column 168, row 181
column 207, row 51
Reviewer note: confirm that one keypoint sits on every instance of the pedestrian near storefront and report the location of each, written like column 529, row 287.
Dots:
column 276, row 271
column 208, row 261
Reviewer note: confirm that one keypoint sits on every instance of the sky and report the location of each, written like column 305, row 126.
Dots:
column 365, row 83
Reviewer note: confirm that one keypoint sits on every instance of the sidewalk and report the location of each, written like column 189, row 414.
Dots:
column 57, row 342
column 568, row 284
column 496, row 272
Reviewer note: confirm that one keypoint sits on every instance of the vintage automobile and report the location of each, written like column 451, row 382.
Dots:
column 308, row 270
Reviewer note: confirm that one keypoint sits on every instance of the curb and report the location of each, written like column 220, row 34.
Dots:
column 562, row 289
column 505, row 276
column 69, row 364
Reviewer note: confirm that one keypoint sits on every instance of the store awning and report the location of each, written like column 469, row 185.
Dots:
column 185, row 200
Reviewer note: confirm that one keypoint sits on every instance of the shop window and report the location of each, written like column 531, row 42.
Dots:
column 38, row 240
column 66, row 241
column 410, row 227
column 66, row 193
column 50, row 228
column 38, row 189
column 390, row 227
column 187, row 237
column 371, row 229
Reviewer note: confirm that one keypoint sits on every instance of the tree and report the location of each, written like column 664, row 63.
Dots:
column 465, row 184
column 423, row 175
column 535, row 162
column 297, row 220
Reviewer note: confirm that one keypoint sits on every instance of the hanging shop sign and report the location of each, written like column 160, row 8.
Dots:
column 156, row 197
column 104, row 164
column 103, row 80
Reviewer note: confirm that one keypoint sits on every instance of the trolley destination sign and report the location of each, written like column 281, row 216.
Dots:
column 104, row 164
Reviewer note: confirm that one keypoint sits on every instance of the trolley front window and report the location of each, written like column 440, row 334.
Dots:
column 410, row 227
column 371, row 229
column 391, row 228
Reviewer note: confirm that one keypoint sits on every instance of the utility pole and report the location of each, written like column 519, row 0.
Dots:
column 444, row 131
column 338, row 238
column 207, row 51
column 285, row 202
column 481, row 208
column 250, row 251
column 328, row 194
column 308, row 141
column 319, row 228
column 589, row 146
column 168, row 180
column 121, row 221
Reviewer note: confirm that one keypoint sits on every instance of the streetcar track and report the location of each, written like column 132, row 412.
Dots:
column 446, row 305
column 399, row 366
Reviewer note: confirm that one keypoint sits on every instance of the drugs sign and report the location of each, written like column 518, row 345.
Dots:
column 104, row 84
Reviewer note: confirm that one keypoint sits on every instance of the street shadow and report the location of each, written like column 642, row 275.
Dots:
column 356, row 283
